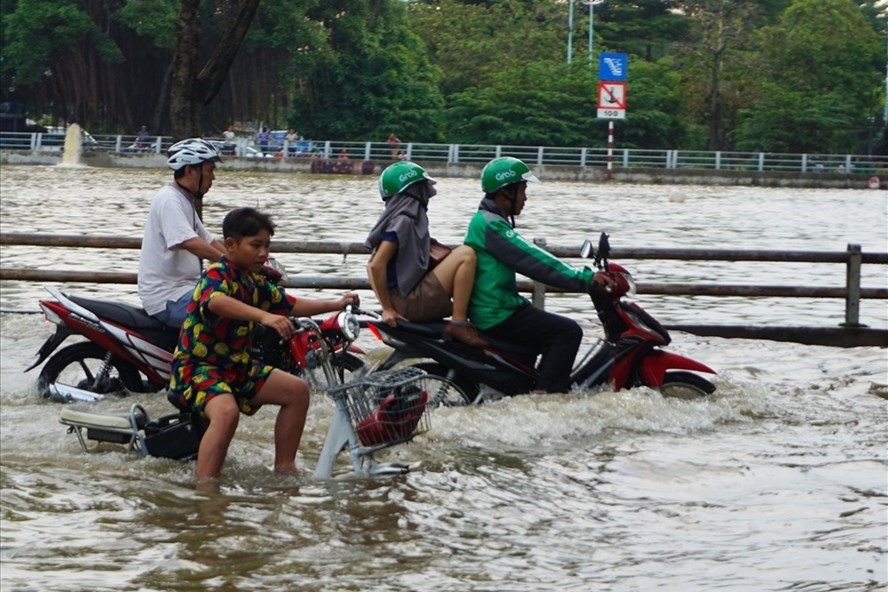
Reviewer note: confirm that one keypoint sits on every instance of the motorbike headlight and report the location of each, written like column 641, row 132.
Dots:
column 349, row 325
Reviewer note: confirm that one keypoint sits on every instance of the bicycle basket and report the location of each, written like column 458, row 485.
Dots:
column 386, row 408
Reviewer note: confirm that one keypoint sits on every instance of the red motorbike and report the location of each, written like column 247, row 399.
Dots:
column 128, row 351
column 630, row 354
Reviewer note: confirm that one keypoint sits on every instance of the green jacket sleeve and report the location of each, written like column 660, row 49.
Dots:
column 512, row 249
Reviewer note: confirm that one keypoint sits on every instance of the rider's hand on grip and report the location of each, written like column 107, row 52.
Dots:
column 601, row 282
column 391, row 317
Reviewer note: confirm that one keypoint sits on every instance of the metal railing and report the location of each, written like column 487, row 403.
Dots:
column 850, row 333
column 473, row 154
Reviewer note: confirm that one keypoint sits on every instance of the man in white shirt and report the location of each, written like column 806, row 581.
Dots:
column 175, row 239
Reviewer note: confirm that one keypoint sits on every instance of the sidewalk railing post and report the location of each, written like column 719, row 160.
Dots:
column 538, row 296
column 852, row 284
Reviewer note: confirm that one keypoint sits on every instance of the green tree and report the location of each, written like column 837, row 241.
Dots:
column 539, row 103
column 556, row 105
column 107, row 63
column 504, row 73
column 823, row 67
column 654, row 105
column 374, row 78
column 472, row 43
column 503, row 92
column 786, row 120
column 54, row 44
column 714, row 65
column 488, row 71
column 648, row 29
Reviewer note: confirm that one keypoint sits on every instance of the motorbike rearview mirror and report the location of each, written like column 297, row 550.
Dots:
column 587, row 251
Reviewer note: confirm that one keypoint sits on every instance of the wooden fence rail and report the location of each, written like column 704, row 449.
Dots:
column 851, row 333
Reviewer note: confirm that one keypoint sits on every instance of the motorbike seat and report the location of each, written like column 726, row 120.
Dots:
column 120, row 313
column 431, row 330
column 517, row 350
column 434, row 330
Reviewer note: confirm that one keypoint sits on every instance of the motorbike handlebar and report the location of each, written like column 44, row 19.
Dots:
column 360, row 311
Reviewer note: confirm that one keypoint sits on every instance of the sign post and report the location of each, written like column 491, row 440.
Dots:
column 612, row 73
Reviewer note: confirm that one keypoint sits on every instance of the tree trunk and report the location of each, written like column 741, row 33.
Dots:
column 214, row 72
column 162, row 106
column 183, row 116
column 192, row 90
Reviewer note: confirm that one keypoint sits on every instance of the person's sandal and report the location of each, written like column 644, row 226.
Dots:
column 465, row 334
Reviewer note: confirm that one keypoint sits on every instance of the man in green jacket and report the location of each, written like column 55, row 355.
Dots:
column 495, row 306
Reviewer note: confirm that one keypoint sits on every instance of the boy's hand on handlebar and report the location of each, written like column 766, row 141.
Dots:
column 283, row 325
column 601, row 281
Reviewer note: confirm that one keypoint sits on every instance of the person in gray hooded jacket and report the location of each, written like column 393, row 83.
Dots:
column 401, row 271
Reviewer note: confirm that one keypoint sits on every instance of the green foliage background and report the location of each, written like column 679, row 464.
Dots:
column 749, row 75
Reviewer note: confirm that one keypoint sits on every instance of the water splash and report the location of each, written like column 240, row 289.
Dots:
column 73, row 146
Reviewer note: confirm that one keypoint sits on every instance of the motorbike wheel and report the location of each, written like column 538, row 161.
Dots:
column 79, row 365
column 443, row 391
column 685, row 385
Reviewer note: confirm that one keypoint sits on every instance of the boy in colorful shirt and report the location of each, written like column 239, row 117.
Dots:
column 212, row 371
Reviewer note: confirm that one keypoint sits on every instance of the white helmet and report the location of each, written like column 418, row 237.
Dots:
column 192, row 151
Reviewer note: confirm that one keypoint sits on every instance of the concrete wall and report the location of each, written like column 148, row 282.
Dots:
column 473, row 170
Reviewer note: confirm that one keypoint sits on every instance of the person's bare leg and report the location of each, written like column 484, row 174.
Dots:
column 291, row 393
column 457, row 276
column 223, row 415
column 463, row 282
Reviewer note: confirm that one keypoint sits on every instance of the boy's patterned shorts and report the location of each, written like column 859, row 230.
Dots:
column 206, row 381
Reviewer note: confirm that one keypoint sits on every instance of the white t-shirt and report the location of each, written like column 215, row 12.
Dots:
column 167, row 272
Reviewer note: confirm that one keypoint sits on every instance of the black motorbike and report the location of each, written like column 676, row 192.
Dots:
column 629, row 356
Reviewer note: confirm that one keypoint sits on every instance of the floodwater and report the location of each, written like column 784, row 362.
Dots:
column 779, row 481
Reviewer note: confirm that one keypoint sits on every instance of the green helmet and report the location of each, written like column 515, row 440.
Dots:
column 500, row 172
column 397, row 177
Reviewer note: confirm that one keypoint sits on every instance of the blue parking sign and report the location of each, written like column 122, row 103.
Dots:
column 612, row 67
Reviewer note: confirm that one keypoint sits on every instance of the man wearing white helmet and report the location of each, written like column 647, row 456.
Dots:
column 175, row 239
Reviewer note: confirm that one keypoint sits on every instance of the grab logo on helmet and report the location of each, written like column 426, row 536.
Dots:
column 505, row 175
column 409, row 174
